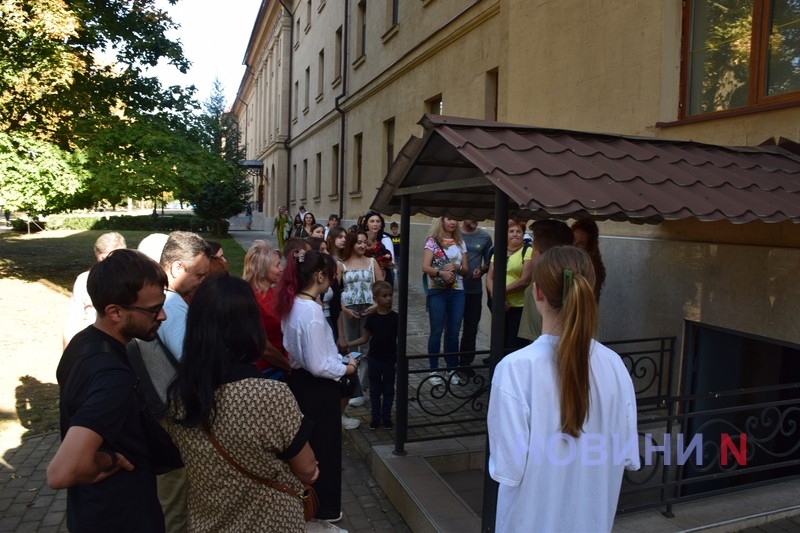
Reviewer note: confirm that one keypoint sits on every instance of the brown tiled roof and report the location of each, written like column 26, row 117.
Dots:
column 455, row 168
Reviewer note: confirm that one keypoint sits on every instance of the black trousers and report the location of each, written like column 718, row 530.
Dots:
column 319, row 400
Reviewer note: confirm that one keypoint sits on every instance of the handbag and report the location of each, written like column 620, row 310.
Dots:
column 308, row 496
column 439, row 263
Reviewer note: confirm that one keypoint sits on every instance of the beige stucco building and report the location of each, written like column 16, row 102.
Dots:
column 333, row 89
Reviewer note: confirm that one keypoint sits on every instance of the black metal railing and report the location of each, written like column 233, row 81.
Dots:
column 691, row 445
column 453, row 402
column 714, row 443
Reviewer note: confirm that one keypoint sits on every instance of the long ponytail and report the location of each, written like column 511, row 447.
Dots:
column 566, row 277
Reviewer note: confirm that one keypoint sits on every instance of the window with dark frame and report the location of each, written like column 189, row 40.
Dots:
column 740, row 54
column 318, row 176
column 361, row 21
column 337, row 55
column 434, row 105
column 335, row 169
column 321, row 73
column 388, row 128
column 357, row 161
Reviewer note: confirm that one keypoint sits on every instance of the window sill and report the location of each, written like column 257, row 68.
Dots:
column 426, row 3
column 318, row 98
column 316, row 199
column 333, row 197
column 305, row 110
column 719, row 115
column 294, row 120
column 354, row 194
column 336, row 82
column 360, row 60
column 390, row 33
column 321, row 6
column 296, row 46
column 307, row 28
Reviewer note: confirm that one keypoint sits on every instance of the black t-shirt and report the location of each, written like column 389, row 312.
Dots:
column 383, row 343
column 99, row 393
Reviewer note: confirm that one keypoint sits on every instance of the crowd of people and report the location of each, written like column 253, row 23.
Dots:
column 243, row 383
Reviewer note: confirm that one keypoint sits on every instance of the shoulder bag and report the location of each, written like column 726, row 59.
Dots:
column 308, row 497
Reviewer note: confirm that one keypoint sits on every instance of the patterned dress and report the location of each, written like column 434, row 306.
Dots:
column 257, row 423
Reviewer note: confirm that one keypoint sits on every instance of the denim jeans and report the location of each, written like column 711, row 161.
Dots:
column 445, row 311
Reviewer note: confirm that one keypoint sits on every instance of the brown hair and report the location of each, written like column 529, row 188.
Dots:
column 566, row 277
column 589, row 226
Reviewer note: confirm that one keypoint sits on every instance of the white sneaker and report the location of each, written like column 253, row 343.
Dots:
column 350, row 423
column 435, row 379
column 454, row 378
column 357, row 402
column 323, row 526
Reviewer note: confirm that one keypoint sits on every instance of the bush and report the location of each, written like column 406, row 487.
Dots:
column 161, row 224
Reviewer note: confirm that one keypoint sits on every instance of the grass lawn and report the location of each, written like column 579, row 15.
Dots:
column 57, row 257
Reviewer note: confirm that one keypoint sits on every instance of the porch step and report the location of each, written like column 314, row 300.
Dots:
column 421, row 495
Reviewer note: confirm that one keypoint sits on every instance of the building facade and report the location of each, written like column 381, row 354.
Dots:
column 333, row 89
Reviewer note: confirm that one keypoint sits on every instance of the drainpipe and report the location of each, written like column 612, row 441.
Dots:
column 286, row 143
column 339, row 97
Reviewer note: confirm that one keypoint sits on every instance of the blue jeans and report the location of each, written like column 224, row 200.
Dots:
column 445, row 311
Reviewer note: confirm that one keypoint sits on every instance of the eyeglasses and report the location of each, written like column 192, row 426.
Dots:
column 148, row 310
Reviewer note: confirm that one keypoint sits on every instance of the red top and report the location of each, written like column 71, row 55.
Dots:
column 271, row 323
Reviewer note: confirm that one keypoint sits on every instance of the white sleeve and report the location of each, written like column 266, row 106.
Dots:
column 387, row 242
column 320, row 351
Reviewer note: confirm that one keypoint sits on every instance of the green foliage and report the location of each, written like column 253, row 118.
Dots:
column 220, row 199
column 224, row 190
column 35, row 176
column 163, row 224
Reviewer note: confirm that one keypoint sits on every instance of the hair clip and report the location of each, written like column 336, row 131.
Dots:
column 300, row 255
column 568, row 282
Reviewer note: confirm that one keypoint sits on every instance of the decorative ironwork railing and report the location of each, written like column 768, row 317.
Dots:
column 453, row 402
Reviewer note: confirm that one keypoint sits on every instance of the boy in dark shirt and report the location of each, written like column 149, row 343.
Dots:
column 380, row 330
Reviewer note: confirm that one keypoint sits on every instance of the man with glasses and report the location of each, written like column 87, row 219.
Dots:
column 104, row 460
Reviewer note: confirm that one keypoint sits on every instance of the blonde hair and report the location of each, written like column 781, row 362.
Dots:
column 108, row 242
column 565, row 276
column 437, row 231
column 257, row 261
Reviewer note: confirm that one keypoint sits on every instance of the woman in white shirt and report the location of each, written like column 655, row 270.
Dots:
column 562, row 411
column 316, row 367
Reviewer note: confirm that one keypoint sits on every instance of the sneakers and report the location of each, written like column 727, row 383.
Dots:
column 323, row 526
column 454, row 378
column 375, row 424
column 357, row 402
column 350, row 423
column 387, row 423
column 435, row 379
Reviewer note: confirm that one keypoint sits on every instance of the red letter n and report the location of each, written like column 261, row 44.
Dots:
column 726, row 445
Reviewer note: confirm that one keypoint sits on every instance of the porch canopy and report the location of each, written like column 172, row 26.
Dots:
column 458, row 164
column 482, row 170
column 476, row 169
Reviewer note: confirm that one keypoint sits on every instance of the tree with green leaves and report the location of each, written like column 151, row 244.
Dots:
column 73, row 91
column 223, row 189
